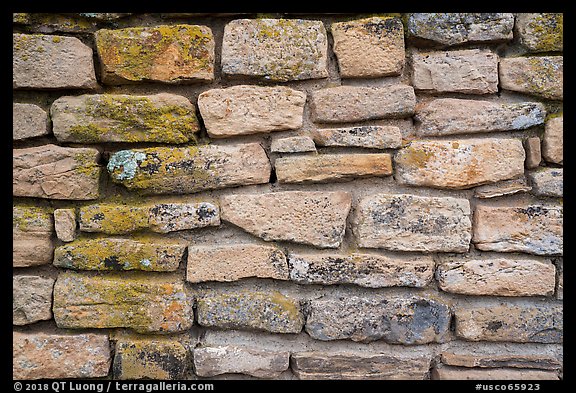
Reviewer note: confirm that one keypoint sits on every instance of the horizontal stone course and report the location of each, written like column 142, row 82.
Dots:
column 374, row 137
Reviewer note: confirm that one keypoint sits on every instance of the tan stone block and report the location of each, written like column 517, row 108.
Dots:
column 547, row 182
column 541, row 76
column 233, row 359
column 31, row 299
column 374, row 137
column 553, row 142
column 28, row 121
column 542, row 32
column 501, row 188
column 293, row 144
column 65, row 224
column 502, row 374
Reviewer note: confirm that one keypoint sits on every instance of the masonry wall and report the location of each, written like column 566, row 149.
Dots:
column 287, row 196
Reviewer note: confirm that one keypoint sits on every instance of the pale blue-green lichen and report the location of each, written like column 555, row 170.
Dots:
column 127, row 161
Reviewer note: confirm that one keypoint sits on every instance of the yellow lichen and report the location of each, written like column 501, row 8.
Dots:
column 416, row 157
column 32, row 218
column 113, row 218
column 547, row 31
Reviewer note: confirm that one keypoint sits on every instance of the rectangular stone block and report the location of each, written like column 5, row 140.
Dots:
column 521, row 321
column 28, row 121
column 162, row 118
column 143, row 302
column 459, row 164
column 542, row 76
column 533, row 154
column 373, row 137
column 344, row 104
column 533, row 229
column 547, row 182
column 165, row 53
column 317, row 218
column 164, row 170
column 250, row 310
column 501, row 188
column 394, row 319
column 496, row 276
column 540, row 32
column 332, row 167
column 245, row 109
column 32, row 232
column 60, row 355
column 361, row 366
column 234, row 359
column 448, row 116
column 366, row 270
column 55, row 172
column 369, row 48
column 553, row 142
column 113, row 219
column 51, row 62
column 65, row 224
column 169, row 217
column 403, row 222
column 31, row 299
column 292, row 144
column 495, row 357
column 501, row 374
column 560, row 279
column 275, row 49
column 469, row 71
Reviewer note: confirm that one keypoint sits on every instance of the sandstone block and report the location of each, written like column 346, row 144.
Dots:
column 169, row 217
column 235, row 261
column 233, row 359
column 293, row 144
column 32, row 230
column 461, row 27
column 275, row 49
column 51, row 62
column 405, row 222
column 366, row 270
column 65, row 224
column 560, row 280
column 396, row 320
column 162, row 170
column 140, row 301
column 509, row 276
column 163, row 118
column 31, row 299
column 351, row 365
column 503, row 358
column 502, row 374
column 448, row 116
column 61, row 355
column 374, row 137
column 371, row 47
column 55, row 172
column 344, row 104
column 28, row 121
column 459, row 164
column 541, row 76
column 533, row 154
column 553, row 142
column 332, row 167
column 540, row 32
column 244, row 109
column 264, row 311
column 533, row 229
column 309, row 217
column 547, row 182
column 505, row 187
column 470, row 71
column 169, row 54
column 113, row 219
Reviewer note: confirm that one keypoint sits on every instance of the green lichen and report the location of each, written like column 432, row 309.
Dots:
column 65, row 23
column 113, row 219
column 546, row 32
column 542, row 77
column 32, row 218
column 56, row 39
column 86, row 165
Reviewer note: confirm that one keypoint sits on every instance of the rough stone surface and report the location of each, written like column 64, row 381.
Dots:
column 265, row 311
column 170, row 54
column 28, row 121
column 31, row 299
column 65, row 224
column 547, row 182
column 234, row 262
column 54, row 172
column 169, row 217
column 293, row 144
column 505, row 187
column 332, row 167
column 120, row 254
column 275, row 49
column 350, row 365
column 32, row 230
column 470, row 71
column 540, row 32
column 141, row 301
column 366, row 270
column 458, row 28
column 541, row 76
column 448, row 116
column 164, row 118
column 459, row 163
column 533, row 155
column 515, row 359
column 534, row 229
column 405, row 222
column 51, row 62
column 344, row 104
column 233, row 359
column 162, row 170
column 373, row 137
column 396, row 320
column 103, row 15
column 61, row 355
column 150, row 358
column 502, row 374
column 22, row 18
column 113, row 219
column 560, row 280
column 553, row 142
column 316, row 218
column 371, row 47
column 497, row 276
column 540, row 322
column 244, row 109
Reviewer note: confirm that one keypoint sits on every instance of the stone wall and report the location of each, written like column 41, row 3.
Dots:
column 287, row 196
